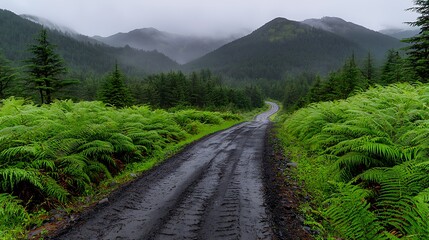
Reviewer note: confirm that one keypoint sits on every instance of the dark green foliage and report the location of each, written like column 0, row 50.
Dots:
column 279, row 47
column 295, row 90
column 368, row 40
column 83, row 56
column 418, row 51
column 45, row 68
column 201, row 90
column 114, row 91
column 393, row 69
column 340, row 84
column 369, row 70
column 8, row 76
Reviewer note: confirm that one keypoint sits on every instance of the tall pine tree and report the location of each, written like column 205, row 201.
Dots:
column 418, row 51
column 392, row 70
column 46, row 68
column 7, row 76
column 114, row 90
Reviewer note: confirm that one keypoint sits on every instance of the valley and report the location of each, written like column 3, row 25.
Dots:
column 244, row 124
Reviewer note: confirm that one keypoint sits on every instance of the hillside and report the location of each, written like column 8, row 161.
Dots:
column 376, row 43
column 400, row 33
column 80, row 55
column 279, row 47
column 178, row 47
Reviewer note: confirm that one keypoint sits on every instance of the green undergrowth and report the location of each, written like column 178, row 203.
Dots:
column 61, row 155
column 365, row 163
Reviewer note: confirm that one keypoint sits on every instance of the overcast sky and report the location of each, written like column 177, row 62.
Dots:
column 207, row 17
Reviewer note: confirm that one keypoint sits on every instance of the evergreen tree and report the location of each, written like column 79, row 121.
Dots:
column 46, row 68
column 316, row 93
column 114, row 91
column 7, row 76
column 350, row 80
column 256, row 96
column 418, row 51
column 368, row 69
column 196, row 91
column 392, row 71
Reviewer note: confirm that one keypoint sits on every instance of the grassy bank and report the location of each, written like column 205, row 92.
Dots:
column 364, row 161
column 61, row 155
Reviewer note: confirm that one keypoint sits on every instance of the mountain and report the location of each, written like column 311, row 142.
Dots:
column 84, row 56
column 376, row 43
column 178, row 47
column 279, row 47
column 59, row 28
column 400, row 33
column 49, row 24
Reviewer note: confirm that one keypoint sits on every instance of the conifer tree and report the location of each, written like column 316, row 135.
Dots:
column 350, row 79
column 368, row 69
column 392, row 70
column 46, row 68
column 114, row 91
column 418, row 51
column 7, row 76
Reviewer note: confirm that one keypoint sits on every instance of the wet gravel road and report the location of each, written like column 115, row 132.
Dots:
column 212, row 190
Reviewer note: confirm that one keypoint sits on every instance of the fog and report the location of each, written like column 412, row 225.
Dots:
column 204, row 17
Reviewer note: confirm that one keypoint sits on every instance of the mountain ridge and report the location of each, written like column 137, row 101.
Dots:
column 279, row 47
column 82, row 55
column 400, row 33
column 180, row 48
column 371, row 41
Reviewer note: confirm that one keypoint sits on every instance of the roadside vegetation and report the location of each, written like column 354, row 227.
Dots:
column 52, row 154
column 362, row 147
column 364, row 161
column 55, row 154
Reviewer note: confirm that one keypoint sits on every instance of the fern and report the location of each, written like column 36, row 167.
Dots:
column 11, row 176
column 12, row 213
column 377, row 142
column 349, row 213
column 66, row 149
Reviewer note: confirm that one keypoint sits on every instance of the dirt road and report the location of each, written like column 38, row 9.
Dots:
column 212, row 190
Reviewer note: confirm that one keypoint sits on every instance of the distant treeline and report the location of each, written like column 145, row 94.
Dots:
column 353, row 77
column 198, row 89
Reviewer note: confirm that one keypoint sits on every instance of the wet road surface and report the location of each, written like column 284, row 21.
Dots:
column 212, row 190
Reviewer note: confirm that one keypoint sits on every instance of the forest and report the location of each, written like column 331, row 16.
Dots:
column 358, row 134
column 58, row 149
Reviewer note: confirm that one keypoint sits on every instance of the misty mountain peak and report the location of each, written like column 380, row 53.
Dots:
column 49, row 24
column 368, row 39
column 280, row 29
column 180, row 48
column 150, row 31
column 330, row 24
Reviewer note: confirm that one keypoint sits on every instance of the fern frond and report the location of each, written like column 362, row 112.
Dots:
column 96, row 148
column 53, row 189
column 11, row 176
column 349, row 213
column 12, row 213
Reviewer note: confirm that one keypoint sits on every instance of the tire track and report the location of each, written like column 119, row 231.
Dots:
column 212, row 190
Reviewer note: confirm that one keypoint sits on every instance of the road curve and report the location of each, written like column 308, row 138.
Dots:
column 212, row 190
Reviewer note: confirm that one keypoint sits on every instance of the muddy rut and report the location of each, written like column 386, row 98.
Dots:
column 212, row 190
